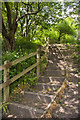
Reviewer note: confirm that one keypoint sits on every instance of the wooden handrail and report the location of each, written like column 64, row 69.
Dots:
column 17, row 61
column 2, row 67
column 3, row 85
column 8, row 64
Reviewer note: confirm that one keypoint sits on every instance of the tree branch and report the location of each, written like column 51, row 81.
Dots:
column 27, row 4
column 29, row 13
column 15, row 16
column 16, row 12
column 8, row 14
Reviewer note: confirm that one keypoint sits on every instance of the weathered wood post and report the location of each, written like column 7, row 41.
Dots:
column 46, row 52
column 45, row 48
column 38, row 61
column 48, row 43
column 67, row 75
column 6, row 78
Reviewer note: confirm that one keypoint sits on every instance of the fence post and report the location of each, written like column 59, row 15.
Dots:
column 48, row 43
column 45, row 48
column 46, row 52
column 38, row 61
column 6, row 78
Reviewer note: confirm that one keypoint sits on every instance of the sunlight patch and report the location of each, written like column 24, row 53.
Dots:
column 61, row 110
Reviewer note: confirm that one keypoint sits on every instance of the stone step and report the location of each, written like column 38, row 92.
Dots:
column 32, row 103
column 56, row 66
column 19, row 110
column 52, row 47
column 55, row 57
column 46, row 88
column 52, row 57
column 54, row 73
column 58, row 44
column 55, row 80
column 54, row 53
column 54, row 63
column 74, row 79
column 39, row 101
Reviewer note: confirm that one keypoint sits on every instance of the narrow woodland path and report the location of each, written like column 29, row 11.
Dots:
column 38, row 100
column 69, row 104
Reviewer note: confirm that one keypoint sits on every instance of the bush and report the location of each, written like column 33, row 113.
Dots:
column 22, row 48
column 24, row 44
column 68, row 39
column 53, row 36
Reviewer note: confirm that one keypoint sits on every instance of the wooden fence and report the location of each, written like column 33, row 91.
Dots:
column 7, row 65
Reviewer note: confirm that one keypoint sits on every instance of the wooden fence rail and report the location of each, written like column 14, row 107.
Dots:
column 8, row 64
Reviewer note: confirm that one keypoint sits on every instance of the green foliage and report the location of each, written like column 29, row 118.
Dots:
column 79, row 83
column 43, row 65
column 64, row 27
column 19, row 68
column 40, row 36
column 4, row 106
column 24, row 44
column 37, row 25
column 78, row 47
column 47, row 21
column 16, row 69
column 60, row 101
column 53, row 35
column 32, row 79
column 75, row 56
column 68, row 39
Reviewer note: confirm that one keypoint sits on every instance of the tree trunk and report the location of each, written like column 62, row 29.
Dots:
column 7, row 44
column 9, row 36
column 10, row 42
column 13, row 42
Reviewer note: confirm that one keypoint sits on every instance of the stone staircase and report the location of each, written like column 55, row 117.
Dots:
column 36, row 101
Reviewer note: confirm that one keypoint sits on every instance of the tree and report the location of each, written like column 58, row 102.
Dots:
column 8, row 33
column 9, row 27
column 24, row 19
column 64, row 28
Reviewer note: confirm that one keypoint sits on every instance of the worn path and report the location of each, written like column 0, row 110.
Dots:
column 69, row 104
column 35, row 101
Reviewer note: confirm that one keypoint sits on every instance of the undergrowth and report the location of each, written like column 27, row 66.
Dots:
column 30, row 78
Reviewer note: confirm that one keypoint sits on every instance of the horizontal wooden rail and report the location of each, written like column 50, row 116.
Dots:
column 17, row 61
column 3, row 85
column 2, row 67
column 8, row 64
